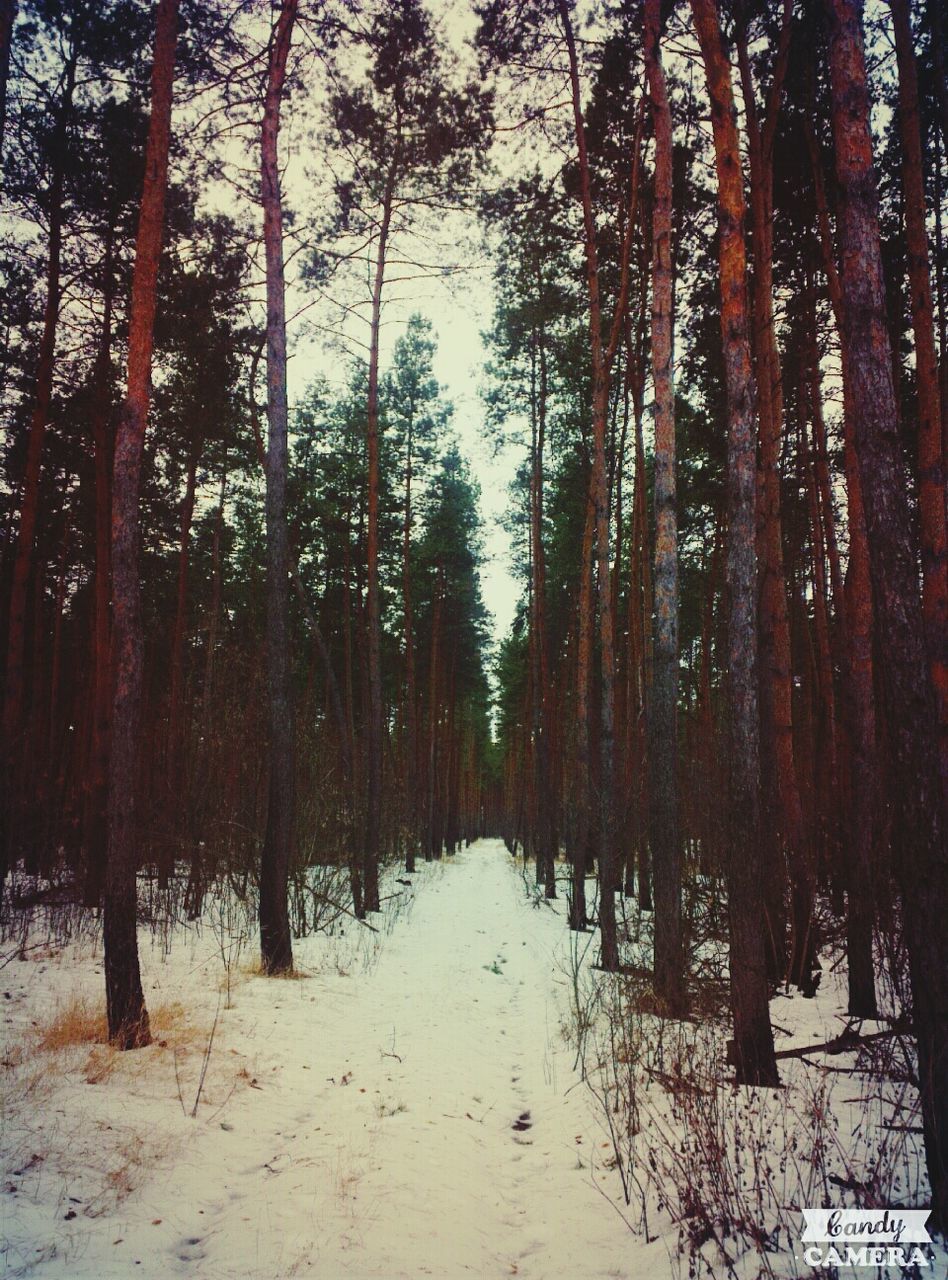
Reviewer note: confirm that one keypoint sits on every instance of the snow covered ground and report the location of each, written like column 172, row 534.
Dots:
column 408, row 1107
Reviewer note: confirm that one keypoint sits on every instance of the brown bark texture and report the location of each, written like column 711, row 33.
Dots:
column 921, row 861
column 783, row 815
column 753, row 1034
column 127, row 1016
column 276, row 946
column 664, row 827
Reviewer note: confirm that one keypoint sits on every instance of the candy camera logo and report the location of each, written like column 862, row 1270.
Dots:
column 865, row 1238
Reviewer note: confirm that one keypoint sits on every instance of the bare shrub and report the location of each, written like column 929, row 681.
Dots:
column 730, row 1167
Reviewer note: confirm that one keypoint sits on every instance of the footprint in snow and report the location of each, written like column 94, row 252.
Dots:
column 190, row 1249
column 522, row 1122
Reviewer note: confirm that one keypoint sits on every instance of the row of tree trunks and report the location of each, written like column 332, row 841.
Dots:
column 15, row 691
column 602, row 353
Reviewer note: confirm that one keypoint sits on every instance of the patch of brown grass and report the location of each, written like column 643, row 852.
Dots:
column 82, row 1021
column 172, row 1032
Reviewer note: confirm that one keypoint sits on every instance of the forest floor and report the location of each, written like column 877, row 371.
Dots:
column 410, row 1103
column 408, row 1108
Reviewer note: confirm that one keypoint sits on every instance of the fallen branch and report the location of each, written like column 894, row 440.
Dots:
column 846, row 1042
column 346, row 912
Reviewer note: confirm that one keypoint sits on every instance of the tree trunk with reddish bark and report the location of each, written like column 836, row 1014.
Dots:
column 602, row 357
column 920, row 856
column 753, row 1035
column 127, row 1016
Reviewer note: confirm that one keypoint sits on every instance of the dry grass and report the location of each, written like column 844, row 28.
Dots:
column 82, row 1021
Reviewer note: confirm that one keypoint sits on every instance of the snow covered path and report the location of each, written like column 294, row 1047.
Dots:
column 414, row 1118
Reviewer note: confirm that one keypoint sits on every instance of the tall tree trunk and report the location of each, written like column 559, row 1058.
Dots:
column 355, row 857
column 664, row 830
column 411, row 693
column 783, row 816
column 602, row 357
column 921, row 860
column 376, row 720
column 128, row 1018
column 276, row 946
column 433, row 836
column 860, row 696
column 753, row 1034
column 931, row 474
column 546, row 833
column 582, row 821
column 96, row 775
column 640, row 673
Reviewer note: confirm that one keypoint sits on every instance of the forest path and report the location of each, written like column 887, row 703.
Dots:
column 408, row 1109
column 424, row 1123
